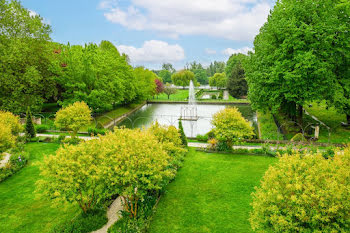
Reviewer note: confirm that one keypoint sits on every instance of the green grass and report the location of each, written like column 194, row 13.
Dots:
column 20, row 211
column 180, row 95
column 332, row 119
column 268, row 128
column 211, row 193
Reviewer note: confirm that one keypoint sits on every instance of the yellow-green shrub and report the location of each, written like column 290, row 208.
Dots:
column 230, row 126
column 304, row 193
column 73, row 117
column 7, row 139
column 12, row 121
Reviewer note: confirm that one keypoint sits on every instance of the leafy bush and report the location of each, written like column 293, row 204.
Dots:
column 95, row 131
column 213, row 97
column 41, row 128
column 7, row 139
column 73, row 117
column 84, row 222
column 72, row 141
column 61, row 138
column 202, row 138
column 12, row 121
column 223, row 146
column 212, row 143
column 304, row 193
column 230, row 126
column 29, row 127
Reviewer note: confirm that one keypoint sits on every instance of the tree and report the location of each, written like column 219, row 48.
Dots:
column 236, row 83
column 169, row 90
column 165, row 75
column 183, row 135
column 169, row 67
column 145, row 86
column 219, row 80
column 73, row 117
column 230, row 126
column 304, row 193
column 159, row 86
column 25, row 54
column 215, row 67
column 30, row 130
column 183, row 78
column 297, row 56
column 201, row 76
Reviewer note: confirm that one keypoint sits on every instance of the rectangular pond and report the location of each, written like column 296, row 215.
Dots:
column 169, row 114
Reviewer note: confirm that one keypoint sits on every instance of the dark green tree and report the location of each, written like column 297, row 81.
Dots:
column 236, row 83
column 30, row 130
column 182, row 134
column 216, row 67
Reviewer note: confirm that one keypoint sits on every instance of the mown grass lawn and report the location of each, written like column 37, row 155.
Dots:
column 19, row 210
column 211, row 193
column 180, row 95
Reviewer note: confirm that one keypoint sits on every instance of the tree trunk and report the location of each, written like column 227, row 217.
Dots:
column 300, row 115
column 348, row 119
column 168, row 96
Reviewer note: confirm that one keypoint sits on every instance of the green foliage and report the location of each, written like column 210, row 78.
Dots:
column 12, row 121
column 213, row 97
column 202, row 138
column 29, row 127
column 183, row 78
column 300, row 58
column 215, row 67
column 145, row 83
column 230, row 126
column 268, row 127
column 95, row 132
column 84, row 222
column 25, row 55
column 304, row 193
column 298, row 137
column 182, row 134
column 218, row 80
column 73, row 117
column 42, row 128
column 9, row 129
column 236, row 83
column 165, row 75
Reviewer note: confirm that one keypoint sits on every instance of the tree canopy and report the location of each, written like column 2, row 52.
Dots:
column 183, row 78
column 236, row 83
column 219, row 80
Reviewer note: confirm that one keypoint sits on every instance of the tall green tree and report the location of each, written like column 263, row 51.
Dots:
column 236, row 83
column 215, row 67
column 30, row 130
column 183, row 78
column 25, row 54
column 219, row 80
column 295, row 56
column 165, row 75
column 199, row 72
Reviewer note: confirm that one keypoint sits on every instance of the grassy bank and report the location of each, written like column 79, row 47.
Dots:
column 268, row 128
column 20, row 211
column 211, row 193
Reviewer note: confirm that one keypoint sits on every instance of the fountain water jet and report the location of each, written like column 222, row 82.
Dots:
column 189, row 112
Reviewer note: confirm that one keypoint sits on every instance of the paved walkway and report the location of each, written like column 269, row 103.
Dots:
column 113, row 215
column 5, row 160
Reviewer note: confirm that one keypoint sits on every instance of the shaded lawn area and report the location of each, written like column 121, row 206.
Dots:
column 333, row 119
column 268, row 127
column 211, row 193
column 19, row 210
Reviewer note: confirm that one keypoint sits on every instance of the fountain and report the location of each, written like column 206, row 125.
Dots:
column 189, row 111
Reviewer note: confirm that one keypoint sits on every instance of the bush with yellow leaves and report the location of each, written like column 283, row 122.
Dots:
column 126, row 162
column 73, row 117
column 230, row 126
column 304, row 193
column 11, row 121
column 7, row 139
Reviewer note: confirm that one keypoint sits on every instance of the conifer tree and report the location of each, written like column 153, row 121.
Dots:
column 30, row 130
column 182, row 133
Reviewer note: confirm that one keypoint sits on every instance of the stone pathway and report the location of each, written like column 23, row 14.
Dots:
column 5, row 160
column 226, row 95
column 113, row 215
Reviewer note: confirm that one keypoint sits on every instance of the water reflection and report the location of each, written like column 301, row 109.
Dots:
column 169, row 114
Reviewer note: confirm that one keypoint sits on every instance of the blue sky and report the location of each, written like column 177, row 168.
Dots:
column 152, row 32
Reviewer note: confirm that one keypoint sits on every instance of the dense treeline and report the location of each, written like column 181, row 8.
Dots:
column 34, row 70
column 302, row 54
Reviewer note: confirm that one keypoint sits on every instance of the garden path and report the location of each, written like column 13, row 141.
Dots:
column 5, row 160
column 113, row 215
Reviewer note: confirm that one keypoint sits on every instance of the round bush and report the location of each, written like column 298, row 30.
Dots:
column 304, row 193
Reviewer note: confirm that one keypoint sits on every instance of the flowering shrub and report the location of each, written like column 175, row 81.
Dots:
column 230, row 126
column 304, row 192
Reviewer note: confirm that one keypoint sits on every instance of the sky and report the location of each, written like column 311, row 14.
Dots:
column 153, row 32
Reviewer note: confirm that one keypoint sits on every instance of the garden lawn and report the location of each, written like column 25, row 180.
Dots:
column 268, row 127
column 211, row 193
column 332, row 119
column 19, row 210
column 180, row 95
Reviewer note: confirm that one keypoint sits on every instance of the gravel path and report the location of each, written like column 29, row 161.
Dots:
column 113, row 215
column 5, row 160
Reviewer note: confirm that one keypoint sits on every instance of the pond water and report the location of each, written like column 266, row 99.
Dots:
column 169, row 114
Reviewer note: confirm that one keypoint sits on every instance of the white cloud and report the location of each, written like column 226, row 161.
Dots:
column 34, row 14
column 210, row 51
column 153, row 51
column 230, row 51
column 230, row 19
